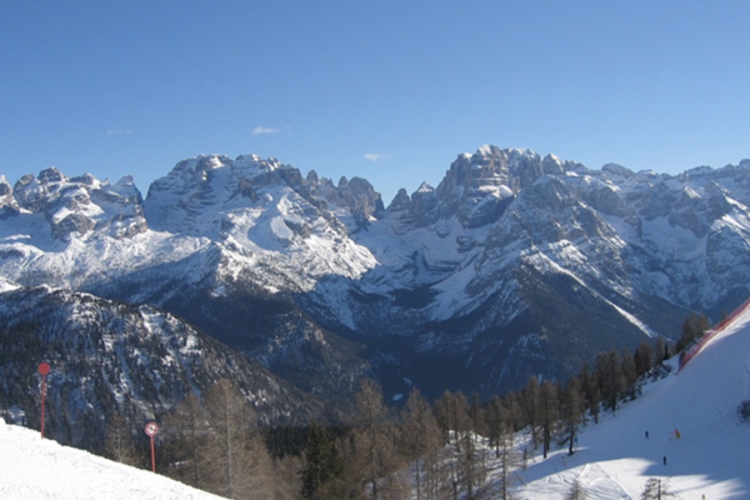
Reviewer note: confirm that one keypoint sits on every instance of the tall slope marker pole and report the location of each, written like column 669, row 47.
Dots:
column 152, row 430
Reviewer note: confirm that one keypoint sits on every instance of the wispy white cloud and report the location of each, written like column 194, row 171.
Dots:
column 376, row 156
column 260, row 129
column 119, row 131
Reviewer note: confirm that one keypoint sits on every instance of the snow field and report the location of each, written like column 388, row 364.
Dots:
column 615, row 459
column 33, row 468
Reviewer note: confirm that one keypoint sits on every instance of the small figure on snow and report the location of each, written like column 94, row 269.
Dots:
column 664, row 460
column 646, row 434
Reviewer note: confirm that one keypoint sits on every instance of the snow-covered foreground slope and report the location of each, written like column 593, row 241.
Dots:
column 32, row 468
column 710, row 457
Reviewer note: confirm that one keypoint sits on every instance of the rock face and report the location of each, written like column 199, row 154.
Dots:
column 513, row 265
column 109, row 357
column 79, row 205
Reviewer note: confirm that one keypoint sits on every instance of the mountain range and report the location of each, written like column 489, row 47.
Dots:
column 515, row 264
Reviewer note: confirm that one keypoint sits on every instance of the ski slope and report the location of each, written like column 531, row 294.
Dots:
column 711, row 457
column 32, row 468
column 613, row 459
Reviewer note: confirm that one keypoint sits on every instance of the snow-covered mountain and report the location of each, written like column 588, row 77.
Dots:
column 109, row 357
column 515, row 264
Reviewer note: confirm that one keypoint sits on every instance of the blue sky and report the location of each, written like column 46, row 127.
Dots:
column 387, row 90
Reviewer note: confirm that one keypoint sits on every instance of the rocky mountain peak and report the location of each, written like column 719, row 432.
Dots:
column 469, row 268
column 50, row 175
column 8, row 203
column 477, row 188
column 76, row 206
column 616, row 170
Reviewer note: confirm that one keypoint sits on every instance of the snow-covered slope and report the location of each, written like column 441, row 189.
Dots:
column 33, row 468
column 614, row 458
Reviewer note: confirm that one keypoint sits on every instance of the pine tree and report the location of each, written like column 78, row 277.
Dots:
column 643, row 357
column 549, row 406
column 693, row 328
column 629, row 376
column 572, row 411
column 661, row 351
column 323, row 464
column 609, row 377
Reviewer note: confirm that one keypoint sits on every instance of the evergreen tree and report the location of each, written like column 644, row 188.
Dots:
column 549, row 412
column 693, row 328
column 661, row 351
column 643, row 357
column 323, row 464
column 573, row 407
column 609, row 377
column 628, row 374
